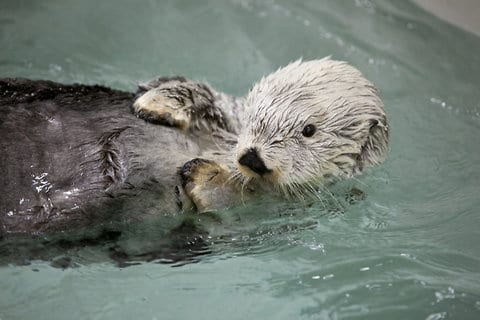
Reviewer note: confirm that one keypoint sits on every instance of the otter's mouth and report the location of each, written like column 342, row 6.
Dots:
column 251, row 164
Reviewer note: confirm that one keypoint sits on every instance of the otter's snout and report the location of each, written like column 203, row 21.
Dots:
column 252, row 160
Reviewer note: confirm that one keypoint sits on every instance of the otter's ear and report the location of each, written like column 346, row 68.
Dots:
column 143, row 87
column 376, row 145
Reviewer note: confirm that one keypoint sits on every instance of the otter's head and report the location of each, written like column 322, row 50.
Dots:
column 310, row 122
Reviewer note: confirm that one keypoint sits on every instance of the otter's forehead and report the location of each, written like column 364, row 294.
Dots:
column 318, row 91
column 311, row 76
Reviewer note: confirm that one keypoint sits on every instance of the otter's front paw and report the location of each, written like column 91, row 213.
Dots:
column 208, row 185
column 158, row 106
column 179, row 103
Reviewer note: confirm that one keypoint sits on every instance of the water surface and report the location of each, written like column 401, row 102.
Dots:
column 410, row 250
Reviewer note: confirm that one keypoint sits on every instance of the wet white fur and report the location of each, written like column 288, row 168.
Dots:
column 352, row 130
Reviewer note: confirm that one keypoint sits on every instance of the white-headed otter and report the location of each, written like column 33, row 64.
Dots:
column 310, row 122
column 300, row 127
column 76, row 155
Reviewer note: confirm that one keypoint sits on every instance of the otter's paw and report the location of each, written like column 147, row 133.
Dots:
column 207, row 184
column 177, row 102
column 157, row 106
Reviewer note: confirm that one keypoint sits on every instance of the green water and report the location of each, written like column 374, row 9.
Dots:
column 410, row 250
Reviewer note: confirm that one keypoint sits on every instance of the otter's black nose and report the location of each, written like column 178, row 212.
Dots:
column 251, row 160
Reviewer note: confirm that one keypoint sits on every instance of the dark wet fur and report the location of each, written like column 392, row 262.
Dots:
column 74, row 157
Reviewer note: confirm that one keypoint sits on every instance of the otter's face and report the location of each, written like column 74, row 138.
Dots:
column 309, row 122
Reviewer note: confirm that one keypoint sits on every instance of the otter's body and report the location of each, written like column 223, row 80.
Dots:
column 74, row 155
column 79, row 155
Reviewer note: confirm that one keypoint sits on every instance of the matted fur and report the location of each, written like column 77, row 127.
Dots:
column 351, row 126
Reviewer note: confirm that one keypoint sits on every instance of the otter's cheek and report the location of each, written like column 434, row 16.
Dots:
column 276, row 176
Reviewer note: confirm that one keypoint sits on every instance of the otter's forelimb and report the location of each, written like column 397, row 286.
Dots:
column 188, row 105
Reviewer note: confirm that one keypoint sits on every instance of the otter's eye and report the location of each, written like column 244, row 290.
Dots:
column 309, row 130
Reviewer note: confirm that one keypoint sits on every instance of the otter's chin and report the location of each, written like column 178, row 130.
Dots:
column 274, row 176
column 247, row 172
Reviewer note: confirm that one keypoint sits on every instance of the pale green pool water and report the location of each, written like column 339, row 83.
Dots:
column 410, row 250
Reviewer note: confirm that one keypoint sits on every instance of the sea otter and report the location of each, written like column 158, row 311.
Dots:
column 298, row 129
column 76, row 155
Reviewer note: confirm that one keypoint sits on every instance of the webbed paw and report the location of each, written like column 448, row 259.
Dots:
column 179, row 103
column 157, row 107
column 208, row 185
